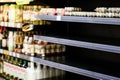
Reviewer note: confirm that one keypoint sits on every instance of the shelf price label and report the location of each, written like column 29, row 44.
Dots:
column 21, row 2
column 32, row 59
column 14, row 54
column 2, row 23
column 18, row 55
column 58, row 18
column 1, row 51
column 10, row 53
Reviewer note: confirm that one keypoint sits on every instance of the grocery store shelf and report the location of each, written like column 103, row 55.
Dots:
column 88, row 45
column 113, row 21
column 64, row 67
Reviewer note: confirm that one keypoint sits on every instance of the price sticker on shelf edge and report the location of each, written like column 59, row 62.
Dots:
column 1, row 52
column 14, row 54
column 10, row 53
column 2, row 23
column 31, row 58
column 18, row 55
column 58, row 18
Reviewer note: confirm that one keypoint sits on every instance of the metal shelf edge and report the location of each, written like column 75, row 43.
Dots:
column 88, row 45
column 98, row 20
column 68, row 68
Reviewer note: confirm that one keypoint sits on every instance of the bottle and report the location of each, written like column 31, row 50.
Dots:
column 24, row 69
column 16, row 62
column 25, row 64
column 11, row 60
column 32, row 15
column 20, row 63
column 30, row 46
column 38, row 71
column 4, row 39
column 25, row 46
column 12, row 77
column 19, row 14
column 12, row 14
column 20, row 42
column 1, row 65
column 24, row 13
column 37, row 48
column 1, row 13
column 6, row 12
column 10, row 41
column 14, row 40
column 35, row 13
column 28, row 14
column 31, row 71
column 1, row 37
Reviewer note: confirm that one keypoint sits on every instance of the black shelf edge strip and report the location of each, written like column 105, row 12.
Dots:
column 64, row 67
column 82, row 44
column 98, row 20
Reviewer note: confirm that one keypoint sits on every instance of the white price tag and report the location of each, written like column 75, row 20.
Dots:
column 14, row 54
column 32, row 59
column 6, row 23
column 58, row 18
column 12, row 24
column 0, row 50
column 10, row 53
column 2, row 23
column 9, row 24
column 18, row 25
column 18, row 55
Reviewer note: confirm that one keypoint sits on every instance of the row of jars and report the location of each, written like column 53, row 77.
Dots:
column 73, row 11
column 110, row 9
column 19, row 14
column 58, row 11
column 93, row 14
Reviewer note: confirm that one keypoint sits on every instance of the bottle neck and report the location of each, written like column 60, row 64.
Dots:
column 32, row 65
column 38, row 66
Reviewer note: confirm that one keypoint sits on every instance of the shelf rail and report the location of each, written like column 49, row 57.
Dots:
column 64, row 67
column 96, row 20
column 82, row 44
